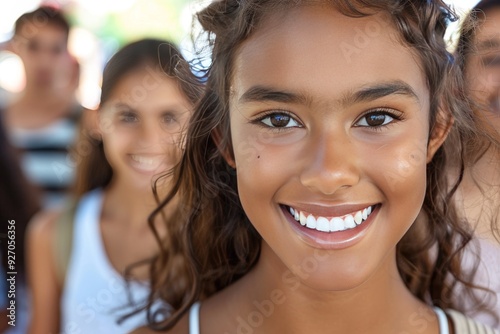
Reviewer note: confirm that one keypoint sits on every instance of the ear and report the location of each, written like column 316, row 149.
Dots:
column 439, row 133
column 14, row 45
column 225, row 148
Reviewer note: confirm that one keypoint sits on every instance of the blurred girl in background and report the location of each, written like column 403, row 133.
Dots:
column 478, row 54
column 148, row 93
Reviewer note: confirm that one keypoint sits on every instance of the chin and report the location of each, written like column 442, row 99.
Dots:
column 336, row 281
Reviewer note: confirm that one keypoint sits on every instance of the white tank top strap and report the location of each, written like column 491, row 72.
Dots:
column 194, row 318
column 443, row 321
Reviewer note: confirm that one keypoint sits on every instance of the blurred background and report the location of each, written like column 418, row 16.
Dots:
column 100, row 27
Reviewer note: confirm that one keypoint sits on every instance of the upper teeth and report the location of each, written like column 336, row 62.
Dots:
column 332, row 224
column 142, row 160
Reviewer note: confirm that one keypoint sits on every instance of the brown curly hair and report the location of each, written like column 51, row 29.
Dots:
column 212, row 243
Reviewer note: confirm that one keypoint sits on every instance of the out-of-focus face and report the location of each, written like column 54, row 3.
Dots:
column 43, row 50
column 141, row 126
column 483, row 67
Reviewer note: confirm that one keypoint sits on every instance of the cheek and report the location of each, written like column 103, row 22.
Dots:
column 401, row 175
column 116, row 142
column 173, row 153
column 260, row 173
column 256, row 172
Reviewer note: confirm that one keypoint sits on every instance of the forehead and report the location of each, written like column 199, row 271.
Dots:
column 490, row 28
column 47, row 31
column 146, row 85
column 325, row 53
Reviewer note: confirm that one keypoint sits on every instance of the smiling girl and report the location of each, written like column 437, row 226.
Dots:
column 315, row 176
column 479, row 193
column 147, row 97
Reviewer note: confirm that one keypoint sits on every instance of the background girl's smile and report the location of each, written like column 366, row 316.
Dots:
column 148, row 163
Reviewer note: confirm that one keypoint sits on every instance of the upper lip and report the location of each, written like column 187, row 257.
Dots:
column 329, row 211
column 148, row 154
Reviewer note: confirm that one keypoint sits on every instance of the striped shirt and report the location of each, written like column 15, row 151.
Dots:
column 45, row 159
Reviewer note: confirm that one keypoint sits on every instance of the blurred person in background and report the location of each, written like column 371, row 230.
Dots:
column 18, row 203
column 478, row 53
column 148, row 93
column 42, row 121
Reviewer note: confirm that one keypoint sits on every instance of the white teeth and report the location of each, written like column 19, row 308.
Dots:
column 311, row 222
column 349, row 222
column 302, row 218
column 142, row 160
column 337, row 224
column 358, row 217
column 323, row 224
column 333, row 224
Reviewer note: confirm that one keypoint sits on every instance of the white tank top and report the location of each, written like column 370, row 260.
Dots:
column 463, row 325
column 95, row 294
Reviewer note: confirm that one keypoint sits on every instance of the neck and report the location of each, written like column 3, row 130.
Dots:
column 382, row 304
column 130, row 205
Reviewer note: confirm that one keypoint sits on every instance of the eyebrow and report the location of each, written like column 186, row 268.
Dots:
column 378, row 91
column 261, row 93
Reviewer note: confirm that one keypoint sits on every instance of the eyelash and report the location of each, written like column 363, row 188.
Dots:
column 396, row 117
column 127, row 116
column 169, row 118
column 491, row 61
column 268, row 114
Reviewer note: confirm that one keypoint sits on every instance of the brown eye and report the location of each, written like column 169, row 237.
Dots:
column 375, row 119
column 279, row 120
column 169, row 118
column 491, row 61
column 128, row 117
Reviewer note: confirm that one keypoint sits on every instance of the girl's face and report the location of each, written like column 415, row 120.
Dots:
column 141, row 125
column 483, row 67
column 330, row 131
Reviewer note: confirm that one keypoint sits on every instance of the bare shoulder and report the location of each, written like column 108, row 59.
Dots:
column 182, row 327
column 40, row 235
column 41, row 271
column 42, row 226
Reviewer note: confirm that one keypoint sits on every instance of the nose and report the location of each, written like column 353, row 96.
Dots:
column 150, row 135
column 331, row 164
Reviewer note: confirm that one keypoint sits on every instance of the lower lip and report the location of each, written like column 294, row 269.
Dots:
column 331, row 240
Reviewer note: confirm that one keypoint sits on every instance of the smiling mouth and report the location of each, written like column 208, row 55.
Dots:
column 331, row 224
column 142, row 160
column 147, row 162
